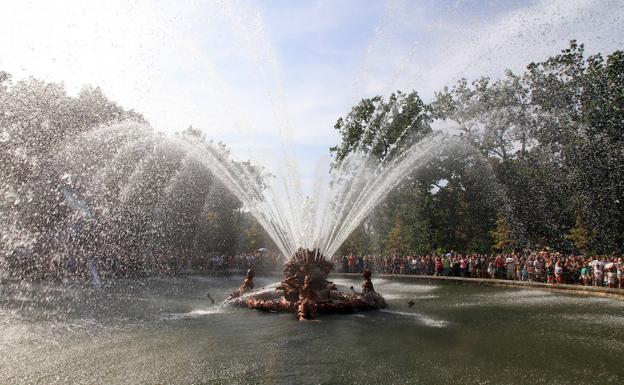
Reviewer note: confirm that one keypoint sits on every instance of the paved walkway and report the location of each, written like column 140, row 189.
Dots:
column 561, row 288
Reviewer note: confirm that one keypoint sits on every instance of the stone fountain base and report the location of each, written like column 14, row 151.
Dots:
column 306, row 291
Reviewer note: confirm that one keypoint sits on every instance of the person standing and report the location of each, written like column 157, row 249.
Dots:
column 499, row 265
column 611, row 278
column 345, row 264
column 539, row 269
column 446, row 265
column 585, row 279
column 490, row 270
column 463, row 266
column 530, row 269
column 597, row 270
column 550, row 270
column 438, row 266
column 558, row 271
column 510, row 267
column 351, row 263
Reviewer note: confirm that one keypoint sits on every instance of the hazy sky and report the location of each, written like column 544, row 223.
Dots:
column 246, row 71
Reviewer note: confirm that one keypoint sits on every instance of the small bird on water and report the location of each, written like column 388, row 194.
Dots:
column 411, row 303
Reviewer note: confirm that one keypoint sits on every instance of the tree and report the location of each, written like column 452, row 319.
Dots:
column 502, row 235
column 376, row 126
column 356, row 243
column 495, row 117
column 557, row 131
column 579, row 101
column 82, row 178
column 580, row 235
column 550, row 141
column 396, row 243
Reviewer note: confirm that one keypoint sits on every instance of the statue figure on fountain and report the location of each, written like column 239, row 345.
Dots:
column 306, row 291
column 367, row 285
column 308, row 300
column 246, row 286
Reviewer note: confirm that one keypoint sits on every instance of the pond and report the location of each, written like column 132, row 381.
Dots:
column 166, row 330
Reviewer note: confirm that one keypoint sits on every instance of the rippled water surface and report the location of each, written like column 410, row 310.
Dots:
column 165, row 330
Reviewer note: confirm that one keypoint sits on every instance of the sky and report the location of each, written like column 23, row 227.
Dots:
column 264, row 76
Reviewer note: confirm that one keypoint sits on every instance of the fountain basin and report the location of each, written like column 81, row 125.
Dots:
column 164, row 330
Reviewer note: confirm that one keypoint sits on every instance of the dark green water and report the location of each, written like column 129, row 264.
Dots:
column 161, row 331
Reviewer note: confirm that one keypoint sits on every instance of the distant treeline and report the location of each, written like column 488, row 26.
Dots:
column 546, row 170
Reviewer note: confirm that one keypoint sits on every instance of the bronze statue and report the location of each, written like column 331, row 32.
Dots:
column 306, row 291
column 246, row 286
column 308, row 300
column 367, row 285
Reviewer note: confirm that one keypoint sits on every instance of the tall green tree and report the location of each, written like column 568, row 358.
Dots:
column 502, row 235
column 579, row 101
column 550, row 142
column 376, row 126
column 396, row 243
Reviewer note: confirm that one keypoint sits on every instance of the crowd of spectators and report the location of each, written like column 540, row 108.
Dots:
column 261, row 261
column 24, row 264
column 542, row 266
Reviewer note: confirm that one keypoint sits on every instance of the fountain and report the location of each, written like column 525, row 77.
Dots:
column 305, row 229
column 142, row 169
column 306, row 291
column 89, row 192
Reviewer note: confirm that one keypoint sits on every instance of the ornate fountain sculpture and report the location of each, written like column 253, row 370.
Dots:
column 306, row 291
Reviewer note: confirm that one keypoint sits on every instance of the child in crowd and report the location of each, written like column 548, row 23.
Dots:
column 585, row 275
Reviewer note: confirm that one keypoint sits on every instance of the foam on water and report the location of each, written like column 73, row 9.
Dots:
column 400, row 287
column 535, row 298
column 202, row 312
column 197, row 313
column 406, row 295
column 421, row 318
